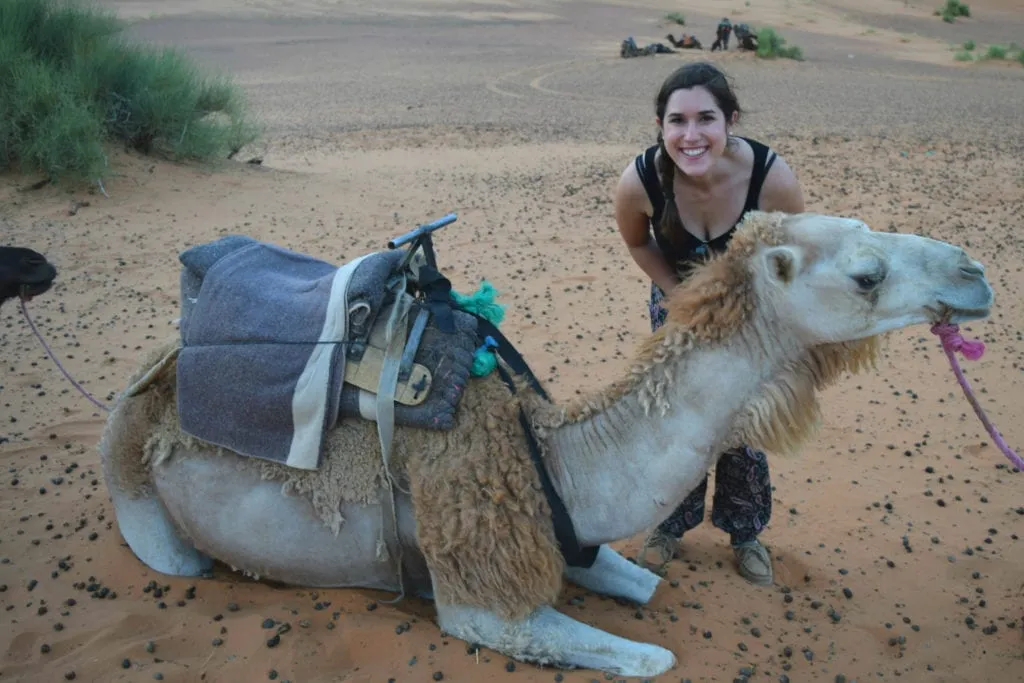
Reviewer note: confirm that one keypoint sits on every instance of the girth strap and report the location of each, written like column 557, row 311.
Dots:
column 575, row 555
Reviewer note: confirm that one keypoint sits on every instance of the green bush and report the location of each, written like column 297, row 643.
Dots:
column 969, row 45
column 995, row 52
column 953, row 9
column 1020, row 57
column 963, row 56
column 70, row 84
column 771, row 45
column 677, row 17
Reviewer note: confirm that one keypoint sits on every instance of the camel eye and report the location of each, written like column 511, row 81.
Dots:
column 869, row 281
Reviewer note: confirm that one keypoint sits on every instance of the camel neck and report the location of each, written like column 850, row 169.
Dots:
column 625, row 469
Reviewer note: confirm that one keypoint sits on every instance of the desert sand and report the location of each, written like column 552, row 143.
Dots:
column 519, row 116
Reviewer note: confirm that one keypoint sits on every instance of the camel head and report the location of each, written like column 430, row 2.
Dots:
column 24, row 273
column 832, row 279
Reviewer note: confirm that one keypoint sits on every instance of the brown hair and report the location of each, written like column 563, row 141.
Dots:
column 692, row 75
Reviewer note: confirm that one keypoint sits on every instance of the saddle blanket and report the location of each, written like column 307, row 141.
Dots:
column 264, row 334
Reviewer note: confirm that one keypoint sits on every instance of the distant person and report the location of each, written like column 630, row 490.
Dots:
column 629, row 48
column 722, row 35
column 745, row 38
column 675, row 204
column 686, row 42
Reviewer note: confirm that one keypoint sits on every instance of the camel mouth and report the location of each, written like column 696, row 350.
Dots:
column 29, row 290
column 947, row 313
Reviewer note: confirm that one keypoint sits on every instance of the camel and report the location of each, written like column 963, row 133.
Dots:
column 24, row 273
column 793, row 305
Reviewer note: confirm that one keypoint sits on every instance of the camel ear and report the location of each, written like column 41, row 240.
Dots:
column 782, row 263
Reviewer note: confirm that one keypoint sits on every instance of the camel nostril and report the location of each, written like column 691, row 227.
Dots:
column 972, row 270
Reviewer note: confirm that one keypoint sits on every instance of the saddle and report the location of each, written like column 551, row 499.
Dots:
column 277, row 347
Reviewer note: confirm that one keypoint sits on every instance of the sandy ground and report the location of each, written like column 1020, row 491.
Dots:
column 519, row 116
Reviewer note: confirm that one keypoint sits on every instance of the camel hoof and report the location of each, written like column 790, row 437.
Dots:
column 655, row 662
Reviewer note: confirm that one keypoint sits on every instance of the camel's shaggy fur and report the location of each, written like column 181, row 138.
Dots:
column 146, row 419
column 483, row 522
column 717, row 301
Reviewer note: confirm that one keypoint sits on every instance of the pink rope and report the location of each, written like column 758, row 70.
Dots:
column 953, row 341
column 46, row 346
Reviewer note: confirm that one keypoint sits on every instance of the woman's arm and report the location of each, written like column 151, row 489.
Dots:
column 630, row 201
column 781, row 190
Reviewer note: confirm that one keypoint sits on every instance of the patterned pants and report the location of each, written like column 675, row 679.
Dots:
column 742, row 504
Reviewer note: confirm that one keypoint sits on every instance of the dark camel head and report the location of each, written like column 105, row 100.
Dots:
column 24, row 273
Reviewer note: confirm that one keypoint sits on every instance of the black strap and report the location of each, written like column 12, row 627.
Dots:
column 649, row 177
column 437, row 290
column 762, row 164
column 508, row 353
column 574, row 554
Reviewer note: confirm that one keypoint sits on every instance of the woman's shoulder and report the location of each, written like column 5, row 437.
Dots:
column 631, row 190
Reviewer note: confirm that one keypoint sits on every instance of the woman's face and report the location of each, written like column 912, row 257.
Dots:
column 694, row 129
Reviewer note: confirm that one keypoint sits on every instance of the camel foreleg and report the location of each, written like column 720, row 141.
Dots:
column 613, row 575
column 549, row 637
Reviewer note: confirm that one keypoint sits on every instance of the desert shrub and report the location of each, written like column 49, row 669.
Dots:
column 963, row 56
column 996, row 52
column 969, row 45
column 1020, row 57
column 70, row 84
column 677, row 17
column 953, row 9
column 771, row 45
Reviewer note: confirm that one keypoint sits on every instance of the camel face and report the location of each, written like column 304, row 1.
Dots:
column 24, row 272
column 837, row 280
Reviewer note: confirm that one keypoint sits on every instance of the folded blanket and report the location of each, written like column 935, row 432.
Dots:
column 264, row 338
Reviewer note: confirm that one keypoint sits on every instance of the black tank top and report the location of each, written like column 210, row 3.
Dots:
column 695, row 249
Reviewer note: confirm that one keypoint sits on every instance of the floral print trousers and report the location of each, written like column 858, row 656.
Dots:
column 742, row 503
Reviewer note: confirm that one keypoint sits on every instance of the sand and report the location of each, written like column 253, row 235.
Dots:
column 519, row 116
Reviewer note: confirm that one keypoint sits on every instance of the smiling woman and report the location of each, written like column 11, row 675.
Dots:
column 676, row 204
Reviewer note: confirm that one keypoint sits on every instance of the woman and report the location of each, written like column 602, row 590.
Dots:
column 675, row 204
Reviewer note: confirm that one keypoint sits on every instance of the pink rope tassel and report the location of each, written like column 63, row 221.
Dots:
column 952, row 341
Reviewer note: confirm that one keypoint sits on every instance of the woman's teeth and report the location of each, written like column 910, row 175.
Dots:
column 694, row 152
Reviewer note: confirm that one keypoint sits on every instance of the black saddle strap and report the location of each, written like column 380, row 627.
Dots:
column 574, row 554
column 509, row 354
column 436, row 290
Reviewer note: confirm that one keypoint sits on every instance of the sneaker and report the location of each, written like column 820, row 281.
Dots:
column 753, row 562
column 658, row 550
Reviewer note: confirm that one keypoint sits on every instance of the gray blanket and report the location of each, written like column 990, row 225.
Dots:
column 262, row 363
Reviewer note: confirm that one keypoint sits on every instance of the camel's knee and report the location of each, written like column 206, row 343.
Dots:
column 614, row 575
